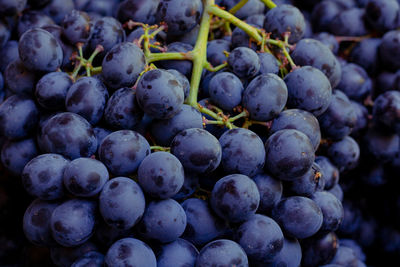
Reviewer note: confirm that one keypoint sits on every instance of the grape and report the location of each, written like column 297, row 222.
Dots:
column 329, row 40
column 122, row 65
column 197, row 150
column 337, row 191
column 270, row 191
column 85, row 177
column 164, row 221
column 77, row 27
column 123, row 151
column 138, row 10
column 8, row 54
column 216, row 49
column 101, row 7
column 330, row 171
column 18, row 117
column 180, row 16
column 106, row 235
column 68, row 134
column 38, row 3
column 72, row 223
column 299, row 217
column 383, row 14
column 235, row 198
column 58, row 9
column 362, row 119
column 323, row 14
column 160, row 94
column 130, row 251
column 183, row 66
column 4, row 34
column 332, row 210
column 345, row 153
column 290, row 255
column 350, row 243
column 164, row 131
column 226, row 90
column 349, row 22
column 289, row 154
column 222, row 252
column 42, row 176
column 352, row 218
column 51, row 90
column 178, row 253
column 300, row 120
column 269, row 64
column 244, row 62
column 339, row 119
column 121, row 203
column 65, row 257
column 386, row 109
column 202, row 225
column 265, row 97
column 355, row 82
column 242, row 152
column 92, row 258
column 240, row 38
column 381, row 145
column 122, row 110
column 345, row 257
column 40, row 51
column 190, row 184
column 183, row 80
column 309, row 183
column 365, row 54
column 11, row 7
column 87, row 97
column 261, row 238
column 283, row 19
column 18, row 79
column 36, row 222
column 135, row 35
column 250, row 8
column 309, row 89
column 256, row 19
column 314, row 53
column 319, row 250
column 389, row 51
column 161, row 175
column 32, row 19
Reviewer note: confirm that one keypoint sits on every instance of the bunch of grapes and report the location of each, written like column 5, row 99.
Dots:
column 199, row 133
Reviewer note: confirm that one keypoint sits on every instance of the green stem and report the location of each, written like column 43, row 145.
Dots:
column 270, row 4
column 160, row 148
column 168, row 56
column 238, row 6
column 209, row 67
column 215, row 122
column 243, row 114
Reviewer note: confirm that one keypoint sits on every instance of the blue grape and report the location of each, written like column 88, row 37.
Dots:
column 164, row 131
column 160, row 94
column 314, row 53
column 365, row 54
column 300, row 120
column 299, row 217
column 242, row 152
column 319, row 249
column 106, row 235
column 101, row 7
column 330, row 171
column 130, row 251
column 68, row 134
column 51, row 90
column 226, row 90
column 188, row 38
column 18, row 117
column 183, row 80
column 355, row 82
column 289, row 154
column 72, row 223
column 122, row 110
column 36, row 222
column 351, row 243
column 42, row 176
column 183, row 66
column 329, row 40
column 261, row 238
column 87, row 97
column 138, row 10
column 362, row 119
column 215, row 51
column 164, row 221
column 389, row 51
column 244, row 62
column 289, row 256
column 284, row 19
column 269, row 64
column 65, row 257
column 202, row 225
column 309, row 183
column 85, row 177
column 349, row 22
column 32, row 19
column 8, row 54
column 122, row 65
column 265, row 97
column 386, row 110
column 76, row 27
column 177, row 253
column 344, row 153
column 161, row 175
column 180, row 16
column 121, row 203
column 4, row 34
column 337, row 191
column 11, row 7
column 190, row 185
column 40, row 51
column 250, row 8
column 18, row 79
column 15, row 154
column 93, row 259
column 383, row 15
column 345, row 257
column 235, row 198
column 270, row 191
column 240, row 38
column 123, row 151
column 339, row 119
column 332, row 210
column 256, row 19
column 58, row 9
column 197, row 149
column 381, row 145
column 309, row 89
column 222, row 252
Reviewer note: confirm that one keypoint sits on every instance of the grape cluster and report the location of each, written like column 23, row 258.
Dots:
column 199, row 133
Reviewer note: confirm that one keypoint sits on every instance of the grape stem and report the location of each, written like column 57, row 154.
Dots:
column 160, row 148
